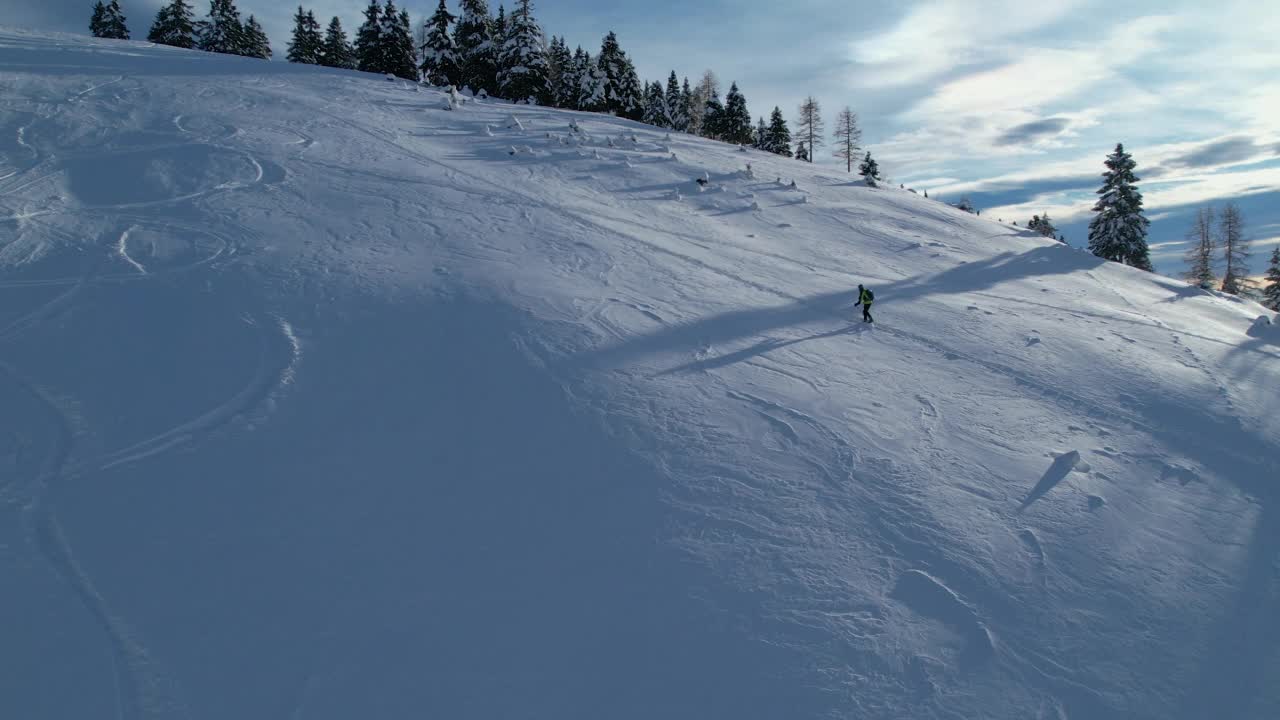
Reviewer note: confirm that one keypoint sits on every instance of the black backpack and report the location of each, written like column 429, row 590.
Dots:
column 871, row 296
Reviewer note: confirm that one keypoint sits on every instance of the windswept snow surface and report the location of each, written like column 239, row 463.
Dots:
column 319, row 400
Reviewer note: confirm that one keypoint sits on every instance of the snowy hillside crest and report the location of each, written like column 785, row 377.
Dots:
column 327, row 396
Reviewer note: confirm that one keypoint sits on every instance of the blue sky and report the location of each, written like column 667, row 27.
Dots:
column 1012, row 103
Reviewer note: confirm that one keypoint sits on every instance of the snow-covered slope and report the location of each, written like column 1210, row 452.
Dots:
column 318, row 400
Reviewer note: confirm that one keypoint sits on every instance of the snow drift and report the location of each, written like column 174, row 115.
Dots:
column 320, row 401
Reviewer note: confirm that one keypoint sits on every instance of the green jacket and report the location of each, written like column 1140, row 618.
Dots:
column 864, row 297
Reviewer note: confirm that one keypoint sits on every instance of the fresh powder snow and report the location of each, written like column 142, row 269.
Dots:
column 326, row 397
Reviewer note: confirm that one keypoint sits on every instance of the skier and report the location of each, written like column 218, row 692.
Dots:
column 865, row 298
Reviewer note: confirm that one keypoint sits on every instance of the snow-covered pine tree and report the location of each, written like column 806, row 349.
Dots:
column 802, row 152
column 524, row 59
column 736, row 127
column 1045, row 227
column 174, row 26
column 559, row 71
column 589, row 82
column 498, row 28
column 689, row 107
column 848, row 137
column 632, row 90
column 410, row 47
column 655, row 106
column 337, row 51
column 307, row 45
column 1271, row 293
column 760, row 140
column 1201, row 247
column 395, row 40
column 675, row 107
column 870, row 170
column 439, row 56
column 708, row 87
column 713, row 116
column 612, row 65
column 573, row 79
column 368, row 48
column 1235, row 249
column 1118, row 232
column 778, row 140
column 98, row 21
column 112, row 22
column 477, row 53
column 809, row 126
column 255, row 42
column 222, row 31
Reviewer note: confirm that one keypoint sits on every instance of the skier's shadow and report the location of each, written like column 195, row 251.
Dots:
column 816, row 310
column 759, row 348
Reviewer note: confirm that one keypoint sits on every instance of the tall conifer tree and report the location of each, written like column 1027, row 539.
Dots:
column 559, row 74
column 113, row 24
column 439, row 56
column 254, row 42
column 174, row 26
column 307, row 45
column 713, row 116
column 1202, row 246
column 395, row 43
column 524, row 60
column 222, row 31
column 675, row 105
column 369, row 40
column 736, row 124
column 337, row 51
column 631, row 92
column 98, row 22
column 848, row 137
column 1271, row 293
column 477, row 54
column 655, row 107
column 1235, row 248
column 1118, row 232
column 809, row 127
column 778, row 137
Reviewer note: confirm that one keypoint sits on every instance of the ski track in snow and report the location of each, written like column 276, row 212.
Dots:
column 123, row 248
column 142, row 689
column 270, row 377
column 92, row 88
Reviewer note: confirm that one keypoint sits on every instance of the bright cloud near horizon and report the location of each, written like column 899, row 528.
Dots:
column 1014, row 104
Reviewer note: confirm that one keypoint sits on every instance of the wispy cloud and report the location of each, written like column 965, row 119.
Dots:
column 1030, row 132
column 935, row 37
